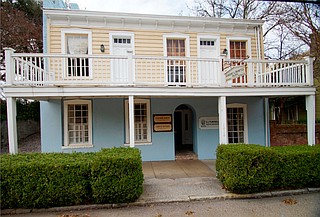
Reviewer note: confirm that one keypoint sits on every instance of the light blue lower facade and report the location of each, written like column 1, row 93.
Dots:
column 108, row 125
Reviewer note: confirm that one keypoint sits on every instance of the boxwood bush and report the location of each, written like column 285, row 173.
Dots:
column 253, row 168
column 55, row 179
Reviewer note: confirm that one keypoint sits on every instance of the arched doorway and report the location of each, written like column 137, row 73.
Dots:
column 183, row 130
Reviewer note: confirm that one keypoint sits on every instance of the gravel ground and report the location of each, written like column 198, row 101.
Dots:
column 30, row 144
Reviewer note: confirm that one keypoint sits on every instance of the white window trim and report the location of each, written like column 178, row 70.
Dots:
column 176, row 36
column 64, row 32
column 66, row 134
column 246, row 39
column 210, row 37
column 245, row 118
column 148, row 142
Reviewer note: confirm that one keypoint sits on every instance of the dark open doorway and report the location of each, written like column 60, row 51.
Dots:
column 183, row 132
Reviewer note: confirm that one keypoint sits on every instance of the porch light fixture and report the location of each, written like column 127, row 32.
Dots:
column 225, row 51
column 102, row 48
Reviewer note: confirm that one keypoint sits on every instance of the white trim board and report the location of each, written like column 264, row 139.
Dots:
column 58, row 92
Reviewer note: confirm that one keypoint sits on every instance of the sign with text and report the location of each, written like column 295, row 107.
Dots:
column 235, row 72
column 162, row 123
column 208, row 123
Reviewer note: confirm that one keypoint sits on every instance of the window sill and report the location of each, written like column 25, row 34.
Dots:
column 138, row 144
column 78, row 146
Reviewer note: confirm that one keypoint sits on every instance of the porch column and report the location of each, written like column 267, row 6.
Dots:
column 12, row 125
column 311, row 119
column 223, row 132
column 267, row 121
column 131, row 73
column 9, row 66
column 131, row 121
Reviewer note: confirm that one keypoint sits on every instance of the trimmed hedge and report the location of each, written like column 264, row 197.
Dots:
column 253, row 168
column 56, row 179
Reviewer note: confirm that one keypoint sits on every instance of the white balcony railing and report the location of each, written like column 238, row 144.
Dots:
column 61, row 69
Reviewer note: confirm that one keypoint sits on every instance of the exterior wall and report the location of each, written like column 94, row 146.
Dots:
column 51, row 126
column 147, row 42
column 109, row 126
column 290, row 134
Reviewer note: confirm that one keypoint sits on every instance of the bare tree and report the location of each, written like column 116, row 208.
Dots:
column 279, row 41
column 20, row 29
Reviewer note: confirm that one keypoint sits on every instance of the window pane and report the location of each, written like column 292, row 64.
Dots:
column 238, row 49
column 78, row 129
column 235, row 125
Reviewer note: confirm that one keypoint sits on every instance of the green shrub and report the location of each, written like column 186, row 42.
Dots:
column 299, row 166
column 117, row 179
column 253, row 168
column 244, row 168
column 46, row 180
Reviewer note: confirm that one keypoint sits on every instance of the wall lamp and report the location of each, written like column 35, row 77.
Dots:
column 225, row 51
column 102, row 49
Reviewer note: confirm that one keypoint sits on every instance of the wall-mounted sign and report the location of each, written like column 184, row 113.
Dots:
column 208, row 123
column 162, row 123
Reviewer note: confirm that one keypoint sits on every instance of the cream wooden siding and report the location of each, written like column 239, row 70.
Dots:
column 147, row 43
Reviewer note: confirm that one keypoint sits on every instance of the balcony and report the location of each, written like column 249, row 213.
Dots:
column 50, row 70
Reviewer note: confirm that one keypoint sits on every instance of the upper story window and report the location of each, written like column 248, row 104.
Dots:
column 78, row 43
column 238, row 50
column 176, row 47
column 176, row 69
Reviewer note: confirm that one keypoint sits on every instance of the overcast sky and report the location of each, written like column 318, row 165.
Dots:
column 162, row 7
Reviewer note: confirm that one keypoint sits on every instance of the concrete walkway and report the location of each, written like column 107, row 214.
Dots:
column 181, row 180
column 179, row 169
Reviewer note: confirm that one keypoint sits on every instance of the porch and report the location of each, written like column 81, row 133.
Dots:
column 58, row 70
column 50, row 77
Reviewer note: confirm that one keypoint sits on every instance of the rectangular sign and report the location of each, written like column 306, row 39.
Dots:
column 162, row 119
column 162, row 127
column 162, row 123
column 208, row 123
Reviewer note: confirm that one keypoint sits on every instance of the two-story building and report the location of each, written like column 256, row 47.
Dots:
column 158, row 83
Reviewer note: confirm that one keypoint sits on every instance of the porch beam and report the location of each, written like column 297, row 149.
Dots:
column 131, row 121
column 12, row 125
column 311, row 119
column 222, row 107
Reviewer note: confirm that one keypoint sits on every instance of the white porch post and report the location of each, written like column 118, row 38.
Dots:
column 131, row 121
column 309, row 72
column 12, row 125
column 311, row 119
column 9, row 65
column 267, row 121
column 222, row 107
column 131, row 73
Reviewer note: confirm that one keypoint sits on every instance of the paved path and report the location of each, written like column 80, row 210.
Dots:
column 179, row 169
